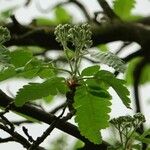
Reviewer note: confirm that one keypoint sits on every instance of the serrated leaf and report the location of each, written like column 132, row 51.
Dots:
column 123, row 8
column 34, row 68
column 34, row 91
column 91, row 114
column 20, row 57
column 89, row 71
column 7, row 73
column 97, row 83
column 116, row 84
column 145, row 75
column 29, row 74
column 109, row 59
column 46, row 73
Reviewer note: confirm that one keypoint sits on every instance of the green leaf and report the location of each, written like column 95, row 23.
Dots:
column 103, row 47
column 36, row 67
column 62, row 16
column 34, row 91
column 91, row 114
column 31, row 69
column 7, row 73
column 41, row 21
column 46, row 73
column 4, row 35
column 96, row 83
column 89, row 71
column 8, row 12
column 109, row 59
column 145, row 75
column 123, row 8
column 4, row 56
column 116, row 84
column 48, row 99
column 20, row 57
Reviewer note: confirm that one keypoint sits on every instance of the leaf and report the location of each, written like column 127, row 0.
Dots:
column 109, row 59
column 34, row 91
column 8, row 12
column 116, row 84
column 62, row 16
column 46, row 73
column 7, row 73
column 48, row 99
column 4, row 35
column 89, row 71
column 91, row 114
column 31, row 69
column 36, row 67
column 41, row 21
column 123, row 8
column 103, row 47
column 145, row 75
column 20, row 57
column 4, row 56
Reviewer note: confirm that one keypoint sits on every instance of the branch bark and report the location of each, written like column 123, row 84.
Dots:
column 48, row 119
column 108, row 32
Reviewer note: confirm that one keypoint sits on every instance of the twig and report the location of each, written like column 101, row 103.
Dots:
column 58, row 108
column 17, row 137
column 27, row 2
column 82, row 7
column 17, row 123
column 46, row 10
column 107, row 10
column 40, row 139
column 137, row 75
column 25, row 130
column 48, row 118
column 8, row 122
column 5, row 140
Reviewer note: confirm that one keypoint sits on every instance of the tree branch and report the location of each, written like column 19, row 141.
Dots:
column 5, row 140
column 44, row 36
column 107, row 10
column 48, row 118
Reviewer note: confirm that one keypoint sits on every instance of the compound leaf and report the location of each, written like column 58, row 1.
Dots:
column 20, row 57
column 109, row 59
column 91, row 113
column 116, row 84
column 123, row 8
column 89, row 71
column 7, row 73
column 34, row 91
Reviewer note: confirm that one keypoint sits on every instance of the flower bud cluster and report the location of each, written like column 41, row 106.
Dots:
column 78, row 35
column 128, row 121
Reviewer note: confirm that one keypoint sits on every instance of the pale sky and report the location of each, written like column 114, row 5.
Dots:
column 25, row 15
